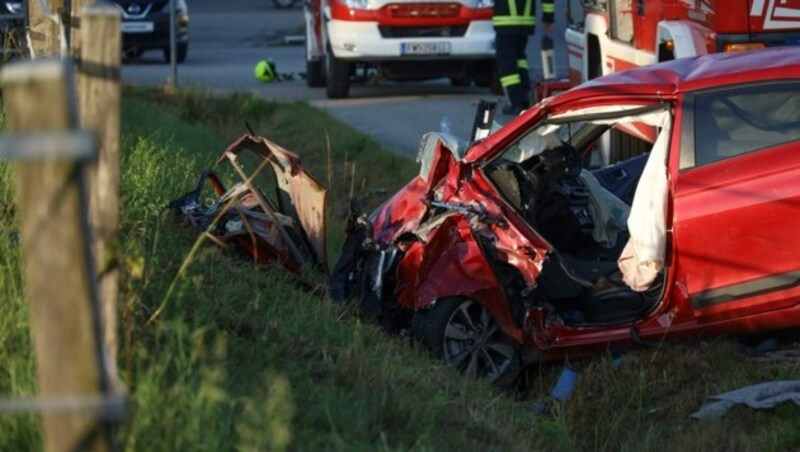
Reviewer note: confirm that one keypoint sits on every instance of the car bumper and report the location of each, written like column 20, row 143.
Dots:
column 153, row 32
column 363, row 41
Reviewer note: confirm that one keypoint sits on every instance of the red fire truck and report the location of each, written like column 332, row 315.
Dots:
column 403, row 40
column 605, row 36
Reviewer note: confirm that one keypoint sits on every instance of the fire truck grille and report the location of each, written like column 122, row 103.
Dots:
column 456, row 31
column 417, row 10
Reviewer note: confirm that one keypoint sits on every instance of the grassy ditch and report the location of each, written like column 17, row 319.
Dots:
column 240, row 359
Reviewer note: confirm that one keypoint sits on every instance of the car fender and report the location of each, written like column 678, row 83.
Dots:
column 450, row 263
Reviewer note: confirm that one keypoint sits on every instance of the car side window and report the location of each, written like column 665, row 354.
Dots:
column 732, row 122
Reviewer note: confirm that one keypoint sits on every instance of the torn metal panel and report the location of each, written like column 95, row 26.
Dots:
column 300, row 196
column 291, row 233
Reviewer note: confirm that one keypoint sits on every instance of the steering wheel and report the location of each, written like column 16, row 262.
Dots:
column 562, row 161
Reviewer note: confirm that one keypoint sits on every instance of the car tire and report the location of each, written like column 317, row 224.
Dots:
column 283, row 3
column 315, row 74
column 486, row 76
column 460, row 81
column 337, row 74
column 463, row 333
column 183, row 52
column 133, row 53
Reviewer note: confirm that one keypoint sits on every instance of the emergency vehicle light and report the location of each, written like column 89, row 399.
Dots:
column 741, row 46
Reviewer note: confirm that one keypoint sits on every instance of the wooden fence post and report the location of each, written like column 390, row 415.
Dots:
column 75, row 26
column 59, row 273
column 43, row 30
column 99, row 106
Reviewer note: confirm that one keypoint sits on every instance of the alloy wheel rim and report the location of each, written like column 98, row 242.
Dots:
column 475, row 344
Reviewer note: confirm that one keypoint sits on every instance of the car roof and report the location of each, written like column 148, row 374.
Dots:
column 668, row 79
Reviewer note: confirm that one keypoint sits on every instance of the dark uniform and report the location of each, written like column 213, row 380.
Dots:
column 514, row 21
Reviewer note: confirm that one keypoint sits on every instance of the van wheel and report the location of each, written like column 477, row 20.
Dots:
column 468, row 338
column 315, row 74
column 338, row 76
column 460, row 81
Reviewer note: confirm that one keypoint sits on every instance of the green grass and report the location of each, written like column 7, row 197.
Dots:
column 241, row 359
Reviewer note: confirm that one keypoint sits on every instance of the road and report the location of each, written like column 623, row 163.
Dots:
column 228, row 38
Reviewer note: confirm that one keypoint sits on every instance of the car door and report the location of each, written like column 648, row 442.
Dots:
column 736, row 200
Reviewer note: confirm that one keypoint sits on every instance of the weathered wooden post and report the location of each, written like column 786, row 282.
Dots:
column 99, row 106
column 44, row 26
column 59, row 272
column 75, row 20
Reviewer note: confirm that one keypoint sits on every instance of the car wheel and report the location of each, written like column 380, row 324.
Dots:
column 315, row 70
column 460, row 81
column 337, row 76
column 283, row 3
column 468, row 338
column 183, row 52
column 133, row 53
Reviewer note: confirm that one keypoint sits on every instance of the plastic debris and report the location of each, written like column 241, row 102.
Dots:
column 565, row 385
column 759, row 397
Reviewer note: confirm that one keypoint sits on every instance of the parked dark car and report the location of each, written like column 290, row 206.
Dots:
column 145, row 26
column 511, row 251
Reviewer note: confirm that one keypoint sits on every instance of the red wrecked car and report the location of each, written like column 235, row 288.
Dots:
column 524, row 247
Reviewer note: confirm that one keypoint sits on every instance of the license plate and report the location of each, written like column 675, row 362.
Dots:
column 425, row 48
column 137, row 27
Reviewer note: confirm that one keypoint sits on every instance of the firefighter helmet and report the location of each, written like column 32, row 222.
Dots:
column 265, row 71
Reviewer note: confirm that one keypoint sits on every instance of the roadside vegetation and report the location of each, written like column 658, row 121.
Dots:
column 240, row 358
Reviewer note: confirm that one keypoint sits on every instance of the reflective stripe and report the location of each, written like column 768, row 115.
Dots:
column 508, row 21
column 548, row 7
column 508, row 80
column 512, row 8
column 514, row 18
column 522, row 64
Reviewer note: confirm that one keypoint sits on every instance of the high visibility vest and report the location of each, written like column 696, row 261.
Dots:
column 520, row 13
column 507, row 14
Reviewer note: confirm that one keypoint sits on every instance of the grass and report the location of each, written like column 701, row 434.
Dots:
column 240, row 359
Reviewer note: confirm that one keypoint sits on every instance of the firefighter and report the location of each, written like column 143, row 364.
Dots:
column 514, row 21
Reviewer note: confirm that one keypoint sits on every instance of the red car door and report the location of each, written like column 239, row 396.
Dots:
column 736, row 204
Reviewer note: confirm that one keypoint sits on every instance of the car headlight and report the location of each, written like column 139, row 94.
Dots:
column 485, row 3
column 356, row 4
column 14, row 7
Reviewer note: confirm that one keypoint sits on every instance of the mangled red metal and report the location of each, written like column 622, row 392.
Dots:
column 288, row 229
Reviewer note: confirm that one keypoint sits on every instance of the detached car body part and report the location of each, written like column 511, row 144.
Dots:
column 512, row 251
column 146, row 26
column 406, row 41
column 287, row 228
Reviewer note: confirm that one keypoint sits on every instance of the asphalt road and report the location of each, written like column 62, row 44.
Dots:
column 227, row 39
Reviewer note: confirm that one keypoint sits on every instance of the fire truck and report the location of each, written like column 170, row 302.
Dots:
column 398, row 40
column 605, row 36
